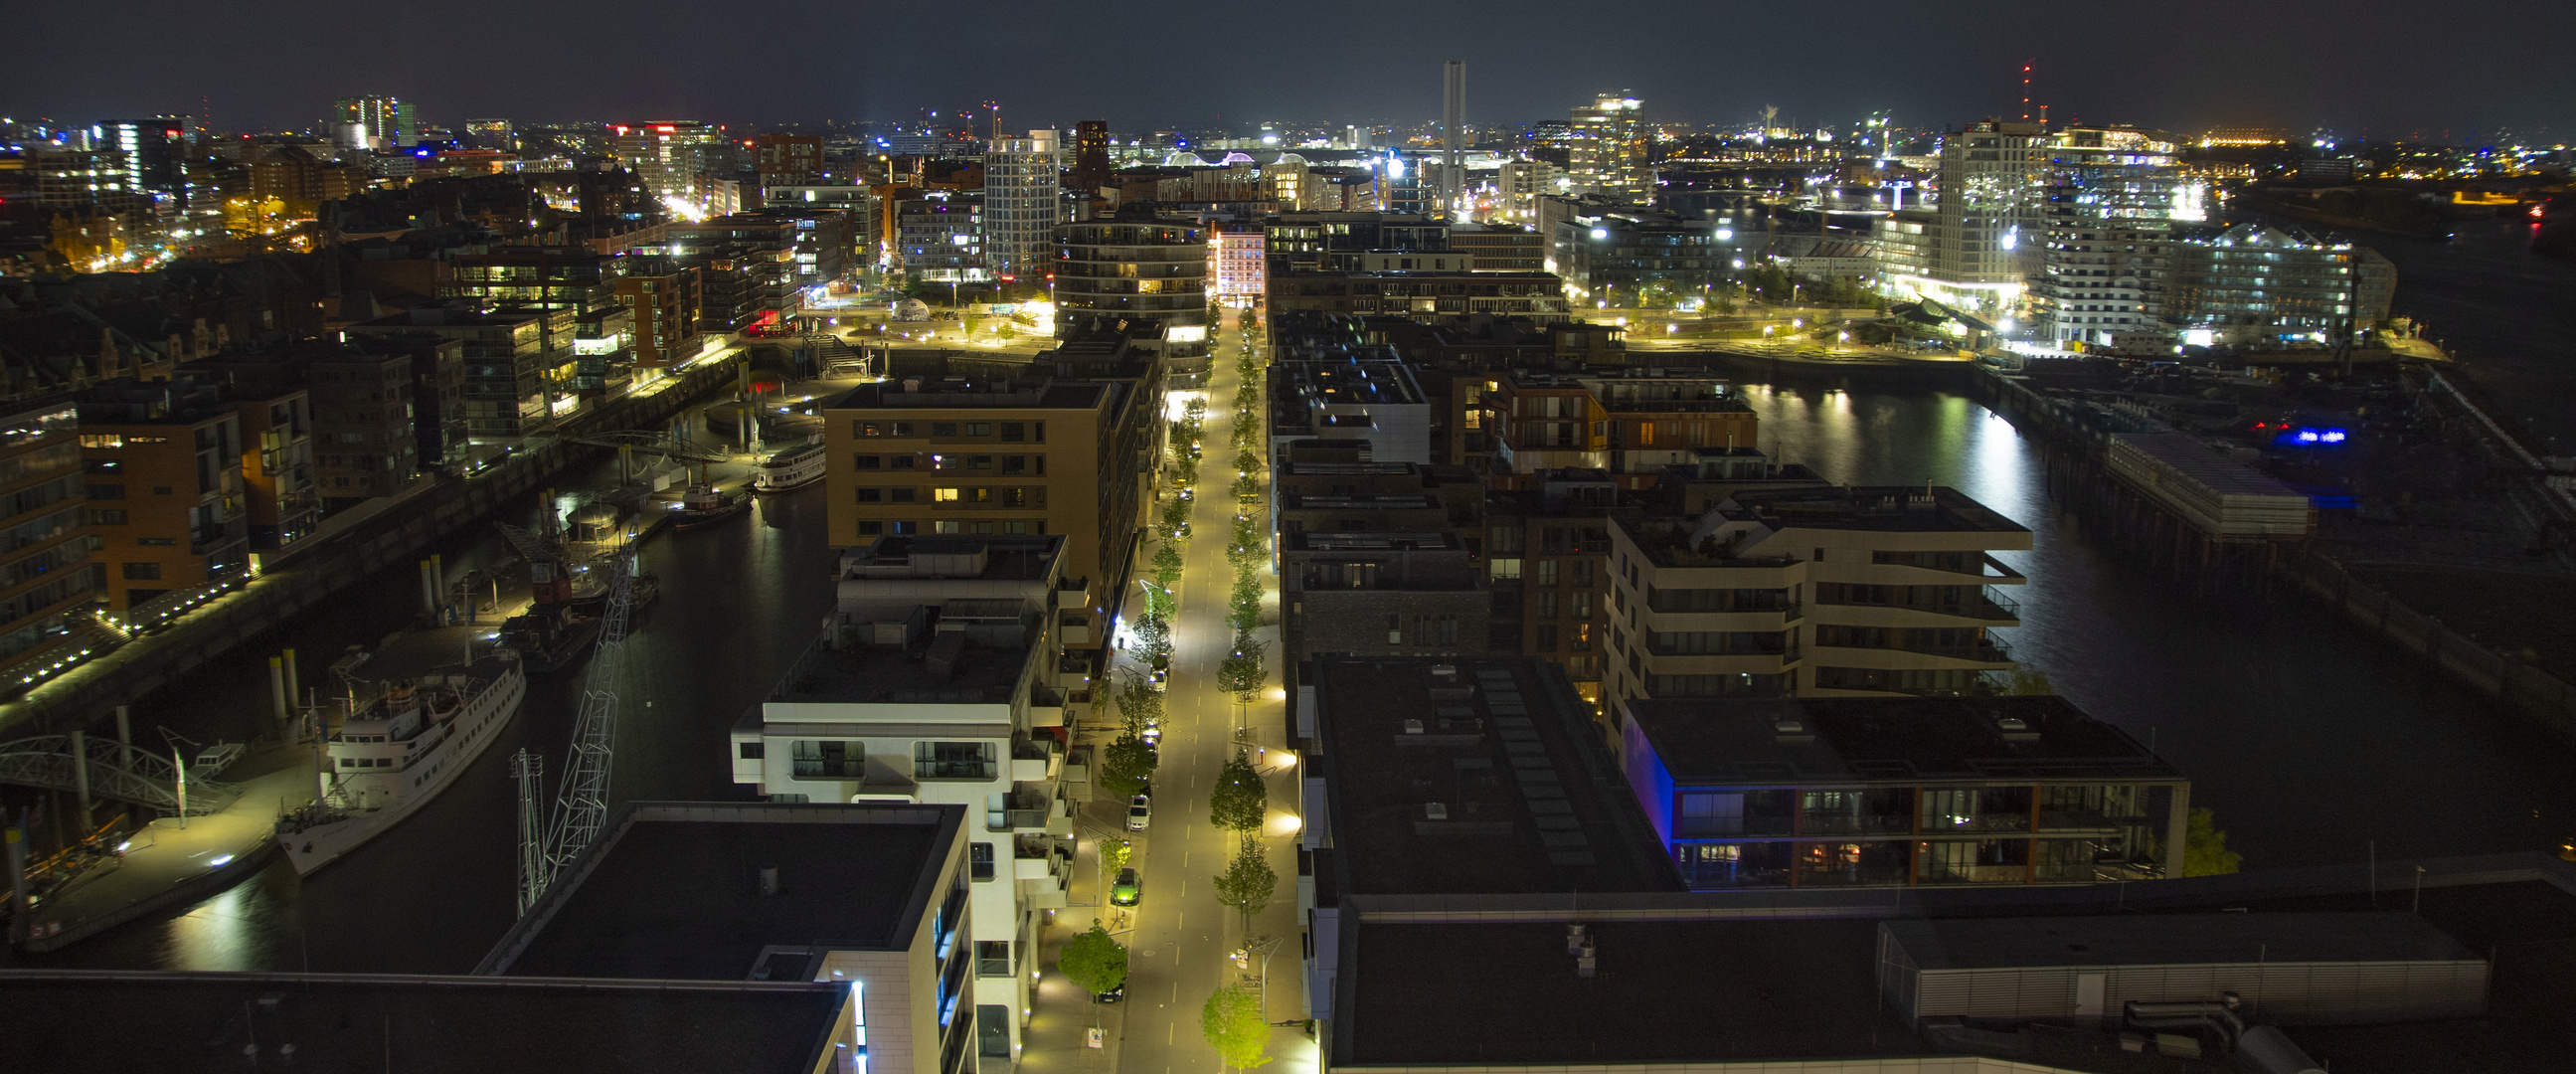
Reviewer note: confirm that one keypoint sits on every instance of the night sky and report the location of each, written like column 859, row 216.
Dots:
column 2375, row 66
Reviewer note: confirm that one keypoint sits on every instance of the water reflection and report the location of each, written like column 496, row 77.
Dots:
column 2311, row 742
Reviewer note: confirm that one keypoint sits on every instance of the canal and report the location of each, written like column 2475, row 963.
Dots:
column 2313, row 744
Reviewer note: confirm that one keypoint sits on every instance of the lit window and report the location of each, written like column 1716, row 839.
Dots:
column 943, row 495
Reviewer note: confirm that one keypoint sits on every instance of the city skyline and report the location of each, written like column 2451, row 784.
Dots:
column 2287, row 66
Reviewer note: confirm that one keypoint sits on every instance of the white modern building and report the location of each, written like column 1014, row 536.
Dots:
column 1612, row 150
column 938, row 681
column 1023, row 202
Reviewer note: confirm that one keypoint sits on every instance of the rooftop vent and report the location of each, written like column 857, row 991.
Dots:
column 1787, row 731
column 1412, row 727
column 2014, row 729
column 769, row 880
column 1435, row 810
column 1575, row 940
column 1587, row 959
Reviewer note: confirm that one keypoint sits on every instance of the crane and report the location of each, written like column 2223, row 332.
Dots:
column 548, row 842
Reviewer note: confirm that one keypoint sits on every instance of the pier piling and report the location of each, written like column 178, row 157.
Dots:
column 294, row 683
column 277, row 697
column 80, row 773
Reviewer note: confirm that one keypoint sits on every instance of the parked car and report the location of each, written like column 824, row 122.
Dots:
column 1140, row 811
column 1114, row 995
column 1127, row 890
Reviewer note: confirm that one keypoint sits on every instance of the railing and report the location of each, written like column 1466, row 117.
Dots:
column 1845, row 824
column 818, row 768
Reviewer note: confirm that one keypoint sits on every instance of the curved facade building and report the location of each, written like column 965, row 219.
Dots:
column 1112, row 270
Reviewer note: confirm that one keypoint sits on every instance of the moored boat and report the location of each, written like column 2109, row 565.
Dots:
column 793, row 468
column 703, row 504
column 392, row 757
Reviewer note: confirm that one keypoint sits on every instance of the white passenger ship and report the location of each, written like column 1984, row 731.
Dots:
column 397, row 754
column 793, row 468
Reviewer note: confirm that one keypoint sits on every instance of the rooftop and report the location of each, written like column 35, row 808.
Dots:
column 1795, row 740
column 672, row 890
column 2170, row 939
column 981, row 664
column 963, row 393
column 1743, row 977
column 1004, row 558
column 119, row 1020
column 1490, row 778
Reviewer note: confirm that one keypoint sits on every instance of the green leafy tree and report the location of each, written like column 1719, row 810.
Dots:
column 1243, row 606
column 1167, row 565
column 1246, row 487
column 1125, row 765
column 1235, row 1026
column 1116, row 852
column 1194, row 410
column 1176, row 516
column 1186, row 471
column 2205, row 850
column 1154, row 639
column 1247, row 883
column 1246, row 462
column 1240, row 673
column 1139, row 704
column 1095, row 962
column 1240, row 800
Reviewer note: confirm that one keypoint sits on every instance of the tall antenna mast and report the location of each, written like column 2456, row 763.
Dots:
column 2025, row 87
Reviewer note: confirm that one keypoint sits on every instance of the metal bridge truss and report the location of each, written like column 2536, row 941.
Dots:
column 548, row 845
column 139, row 776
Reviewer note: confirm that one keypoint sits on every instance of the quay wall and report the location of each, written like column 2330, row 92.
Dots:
column 309, row 577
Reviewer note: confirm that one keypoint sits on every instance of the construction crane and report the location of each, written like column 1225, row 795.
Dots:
column 548, row 843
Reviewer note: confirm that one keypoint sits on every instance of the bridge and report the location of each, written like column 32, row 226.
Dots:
column 138, row 776
column 655, row 443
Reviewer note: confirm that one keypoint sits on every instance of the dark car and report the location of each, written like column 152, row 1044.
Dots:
column 1114, row 995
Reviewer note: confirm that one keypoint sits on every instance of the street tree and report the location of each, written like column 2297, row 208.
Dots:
column 1095, row 962
column 1194, row 410
column 1174, row 524
column 1167, row 565
column 1154, row 639
column 1247, row 883
column 1125, row 765
column 1235, row 1026
column 1245, row 487
column 1247, row 461
column 1186, row 471
column 1116, row 852
column 1240, row 673
column 2205, row 852
column 1139, row 705
column 1240, row 800
column 1243, row 605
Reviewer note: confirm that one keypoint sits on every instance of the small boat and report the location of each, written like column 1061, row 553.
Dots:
column 550, row 636
column 793, row 468
column 703, row 504
column 392, row 757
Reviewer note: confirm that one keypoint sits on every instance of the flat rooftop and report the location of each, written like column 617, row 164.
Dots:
column 1528, row 799
column 963, row 393
column 1739, row 741
column 671, row 891
column 947, row 668
column 1324, row 541
column 2160, row 939
column 67, row 1020
column 1002, row 558
column 1870, row 507
column 1787, row 976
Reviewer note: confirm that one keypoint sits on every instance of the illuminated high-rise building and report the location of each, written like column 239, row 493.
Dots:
column 668, row 155
column 155, row 151
column 1090, row 156
column 376, row 122
column 1023, row 202
column 492, row 134
column 1612, row 150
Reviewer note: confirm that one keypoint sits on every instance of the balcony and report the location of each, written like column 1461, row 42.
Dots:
column 1074, row 629
column 1034, row 760
column 1986, row 606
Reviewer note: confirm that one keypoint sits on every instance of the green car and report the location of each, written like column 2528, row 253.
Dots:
column 1127, row 890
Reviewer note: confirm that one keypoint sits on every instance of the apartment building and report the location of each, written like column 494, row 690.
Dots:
column 971, row 457
column 1334, row 241
column 1379, row 591
column 518, row 367
column 1023, row 203
column 1982, row 239
column 1852, row 592
column 1547, row 571
column 280, row 499
column 1377, row 402
column 1409, row 285
column 168, row 504
column 2261, row 287
column 1628, row 255
column 1500, row 247
column 1134, row 269
column 668, row 156
column 682, row 911
column 940, row 680
column 939, row 236
column 1238, row 266
column 1900, row 792
column 663, row 308
column 47, row 579
column 1613, row 149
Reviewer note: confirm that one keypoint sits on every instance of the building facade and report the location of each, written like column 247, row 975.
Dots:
column 1108, row 271
column 47, row 579
column 1023, row 203
column 1612, row 150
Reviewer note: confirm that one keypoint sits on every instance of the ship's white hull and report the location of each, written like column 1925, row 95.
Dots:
column 476, row 727
column 795, row 475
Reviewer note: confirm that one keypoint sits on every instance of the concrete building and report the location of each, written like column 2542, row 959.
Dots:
column 939, row 237
column 1238, row 263
column 785, row 160
column 940, row 681
column 1813, row 593
column 376, row 122
column 1500, row 247
column 1377, row 403
column 363, row 413
column 2257, row 287
column 279, row 493
column 517, row 382
column 1421, row 291
column 168, row 506
column 1522, row 182
column 1023, row 203
column 978, row 458
column 47, row 583
column 1613, row 150
column 1335, row 241
column 1904, row 792
column 668, row 156
column 1379, row 592
column 1985, row 234
column 868, row 902
column 1631, row 255
column 1134, row 269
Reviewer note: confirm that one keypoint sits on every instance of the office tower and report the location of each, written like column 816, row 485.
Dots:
column 1611, row 152
column 1023, row 202
column 155, row 151
column 376, row 122
column 1453, row 118
column 667, row 154
column 1090, row 156
column 1984, row 238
